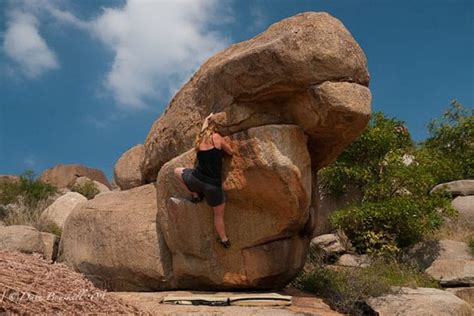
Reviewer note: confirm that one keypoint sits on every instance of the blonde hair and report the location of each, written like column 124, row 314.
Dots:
column 209, row 128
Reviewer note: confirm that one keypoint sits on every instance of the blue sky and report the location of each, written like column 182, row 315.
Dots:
column 82, row 81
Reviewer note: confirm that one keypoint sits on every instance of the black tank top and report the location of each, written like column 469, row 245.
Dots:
column 209, row 165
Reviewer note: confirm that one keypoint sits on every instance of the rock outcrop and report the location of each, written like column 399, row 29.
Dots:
column 62, row 176
column 127, row 172
column 447, row 261
column 268, row 196
column 306, row 70
column 420, row 302
column 115, row 241
column 290, row 100
column 465, row 206
column 61, row 208
column 28, row 239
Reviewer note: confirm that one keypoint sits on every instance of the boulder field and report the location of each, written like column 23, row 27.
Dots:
column 289, row 101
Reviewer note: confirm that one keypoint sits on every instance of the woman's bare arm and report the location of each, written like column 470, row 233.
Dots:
column 224, row 144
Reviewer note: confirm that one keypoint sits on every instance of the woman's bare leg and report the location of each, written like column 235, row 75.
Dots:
column 219, row 220
column 179, row 175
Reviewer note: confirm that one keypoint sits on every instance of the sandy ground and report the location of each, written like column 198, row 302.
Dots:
column 30, row 285
column 302, row 304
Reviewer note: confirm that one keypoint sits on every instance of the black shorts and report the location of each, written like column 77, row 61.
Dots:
column 214, row 194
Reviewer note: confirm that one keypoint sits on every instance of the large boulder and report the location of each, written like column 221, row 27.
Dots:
column 306, row 70
column 62, row 176
column 61, row 208
column 268, row 192
column 420, row 302
column 115, row 241
column 127, row 172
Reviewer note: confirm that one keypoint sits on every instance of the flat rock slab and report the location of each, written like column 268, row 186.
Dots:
column 149, row 302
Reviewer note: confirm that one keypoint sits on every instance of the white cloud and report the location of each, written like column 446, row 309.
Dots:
column 259, row 18
column 24, row 45
column 156, row 46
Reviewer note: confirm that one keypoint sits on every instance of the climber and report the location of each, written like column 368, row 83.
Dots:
column 205, row 180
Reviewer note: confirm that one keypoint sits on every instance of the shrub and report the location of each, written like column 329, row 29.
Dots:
column 395, row 178
column 345, row 289
column 452, row 135
column 88, row 189
column 360, row 163
column 22, row 213
column 30, row 189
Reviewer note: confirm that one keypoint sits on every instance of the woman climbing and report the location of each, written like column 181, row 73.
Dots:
column 205, row 180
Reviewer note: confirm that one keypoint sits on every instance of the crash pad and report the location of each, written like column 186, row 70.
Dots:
column 222, row 299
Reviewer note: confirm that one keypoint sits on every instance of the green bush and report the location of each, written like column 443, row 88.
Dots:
column 387, row 226
column 346, row 288
column 29, row 189
column 360, row 163
column 452, row 135
column 88, row 189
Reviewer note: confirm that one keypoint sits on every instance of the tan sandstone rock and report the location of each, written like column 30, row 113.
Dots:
column 465, row 206
column 9, row 179
column 306, row 70
column 21, row 238
column 127, row 172
column 464, row 293
column 62, row 207
column 458, row 187
column 447, row 261
column 115, row 241
column 81, row 181
column 268, row 183
column 51, row 243
column 62, row 176
column 420, row 302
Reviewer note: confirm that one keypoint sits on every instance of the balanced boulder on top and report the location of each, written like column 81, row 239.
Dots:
column 306, row 70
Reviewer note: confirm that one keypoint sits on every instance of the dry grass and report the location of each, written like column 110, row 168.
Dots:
column 20, row 213
column 455, row 229
column 30, row 285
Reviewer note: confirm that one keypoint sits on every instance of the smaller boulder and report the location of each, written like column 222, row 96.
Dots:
column 447, row 261
column 465, row 206
column 127, row 172
column 330, row 246
column 420, row 302
column 81, row 181
column 459, row 187
column 62, row 207
column 349, row 260
column 21, row 238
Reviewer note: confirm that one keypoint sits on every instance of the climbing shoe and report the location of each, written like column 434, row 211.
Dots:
column 225, row 244
column 197, row 199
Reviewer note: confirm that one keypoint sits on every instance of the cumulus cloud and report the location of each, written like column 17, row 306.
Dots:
column 25, row 46
column 156, row 45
